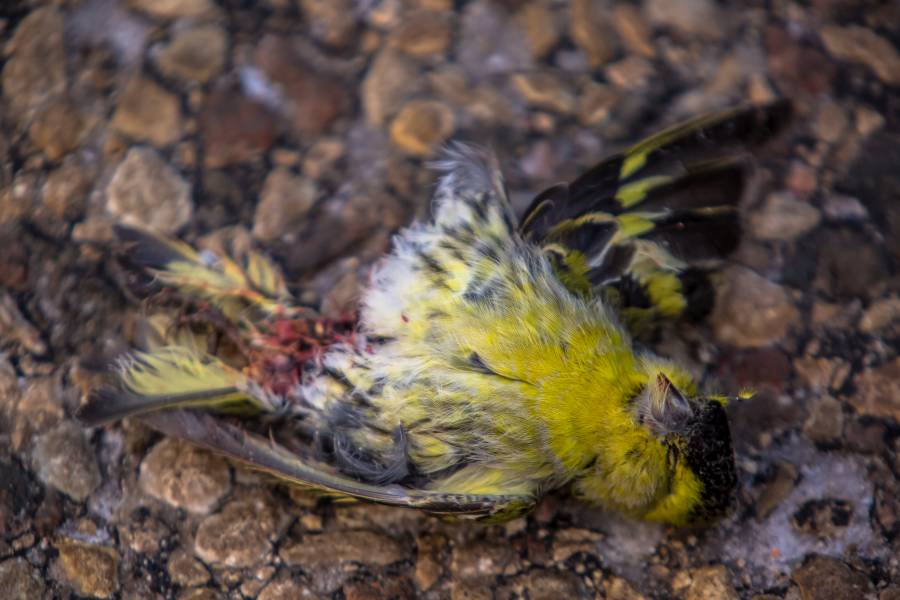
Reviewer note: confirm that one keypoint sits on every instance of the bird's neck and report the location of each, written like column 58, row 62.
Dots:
column 587, row 405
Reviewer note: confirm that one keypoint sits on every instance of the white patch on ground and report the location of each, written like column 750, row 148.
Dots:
column 106, row 499
column 627, row 546
column 773, row 547
column 257, row 86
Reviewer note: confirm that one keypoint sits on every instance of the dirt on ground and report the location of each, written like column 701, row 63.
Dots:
column 307, row 126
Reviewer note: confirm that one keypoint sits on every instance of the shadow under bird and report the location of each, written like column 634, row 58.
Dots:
column 495, row 359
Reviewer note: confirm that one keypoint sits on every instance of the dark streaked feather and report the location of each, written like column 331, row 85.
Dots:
column 683, row 186
column 107, row 405
column 697, row 235
column 270, row 457
column 150, row 251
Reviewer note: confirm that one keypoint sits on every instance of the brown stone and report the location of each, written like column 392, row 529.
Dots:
column 831, row 121
column 322, row 156
column 801, row 180
column 90, row 569
column 173, row 9
column 342, row 299
column 332, row 22
column 234, row 128
column 19, row 581
column 285, row 202
column 347, row 221
column 314, row 99
column 617, row 588
column 65, row 192
column 847, row 275
column 752, row 311
column 795, row 67
column 878, row 391
column 194, row 55
column 568, row 542
column 423, row 33
column 776, row 489
column 597, row 103
column 40, row 405
column 35, row 69
column 147, row 112
column 631, row 73
column 690, row 18
column 312, row 551
column 286, row 587
column 710, row 583
column 185, row 570
column 421, row 126
column 821, row 373
column 824, row 577
column 544, row 89
column 185, row 476
column 543, row 584
column 397, row 588
column 589, row 29
column 13, row 264
column 143, row 534
column 429, row 560
column 825, row 424
column 484, row 558
column 859, row 44
column 57, row 128
column 391, row 78
column 541, row 26
column 633, row 30
column 881, row 314
column 199, row 594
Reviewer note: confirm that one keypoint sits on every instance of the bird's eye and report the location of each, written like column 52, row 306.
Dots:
column 664, row 409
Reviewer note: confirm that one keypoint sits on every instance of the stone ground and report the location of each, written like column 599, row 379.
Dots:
column 305, row 124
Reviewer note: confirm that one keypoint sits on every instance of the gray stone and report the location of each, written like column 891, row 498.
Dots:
column 185, row 476
column 64, row 460
column 146, row 192
column 241, row 534
column 783, row 217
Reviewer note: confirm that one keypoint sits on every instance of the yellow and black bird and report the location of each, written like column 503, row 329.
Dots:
column 495, row 358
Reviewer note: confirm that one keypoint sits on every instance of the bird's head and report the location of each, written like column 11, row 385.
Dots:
column 669, row 458
column 697, row 439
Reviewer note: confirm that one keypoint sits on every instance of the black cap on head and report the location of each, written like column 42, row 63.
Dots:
column 708, row 453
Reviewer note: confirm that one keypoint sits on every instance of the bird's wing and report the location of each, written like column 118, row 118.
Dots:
column 239, row 286
column 174, row 377
column 643, row 227
column 266, row 455
column 189, row 394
